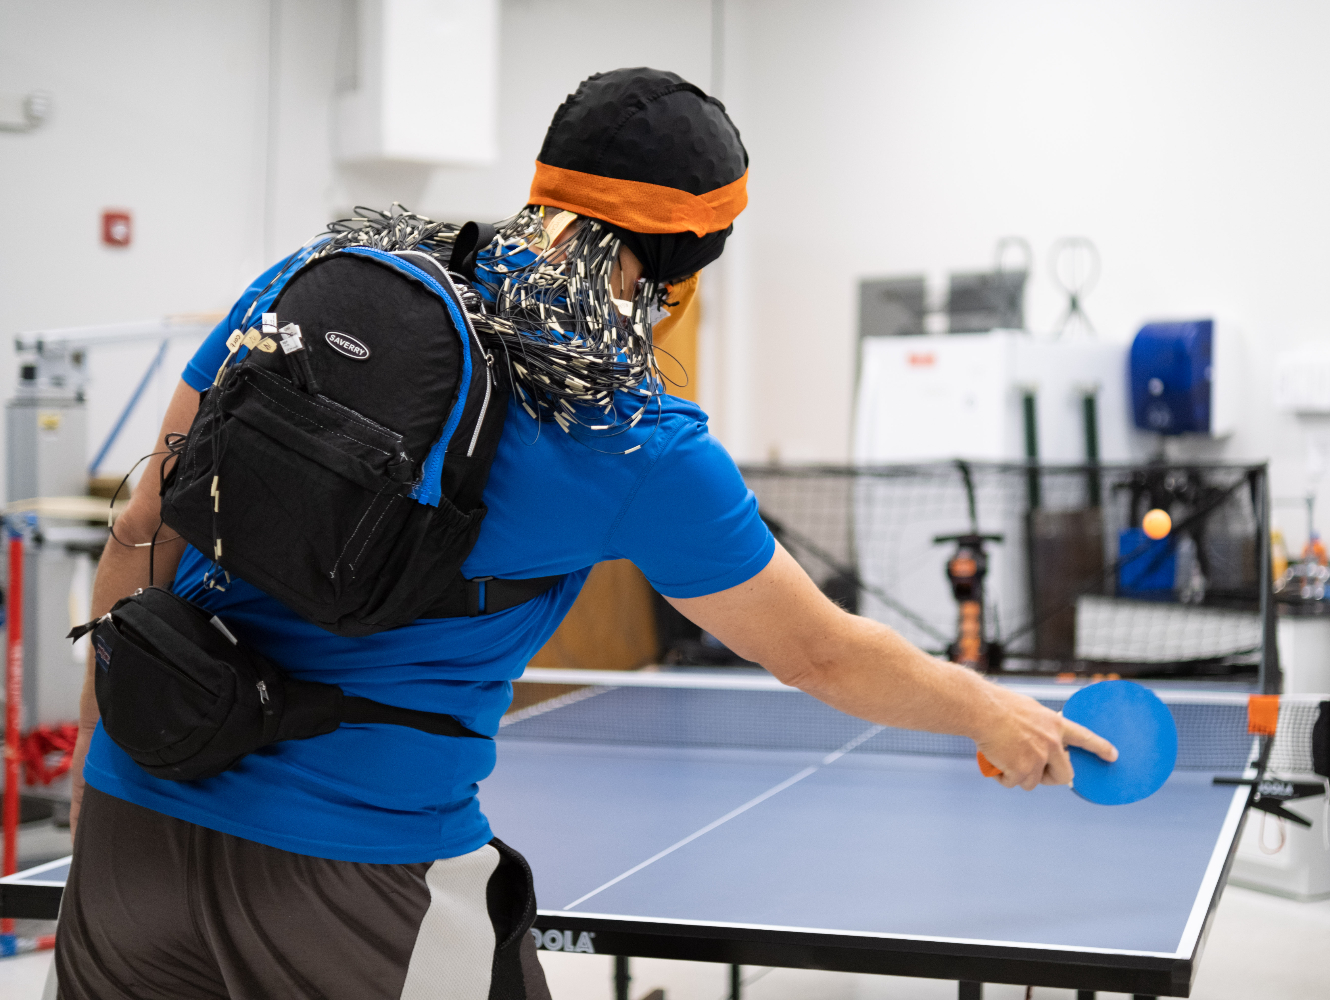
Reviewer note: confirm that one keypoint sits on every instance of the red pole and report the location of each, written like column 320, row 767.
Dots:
column 13, row 700
column 13, row 709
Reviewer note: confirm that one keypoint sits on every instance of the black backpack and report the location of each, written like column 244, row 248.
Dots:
column 339, row 467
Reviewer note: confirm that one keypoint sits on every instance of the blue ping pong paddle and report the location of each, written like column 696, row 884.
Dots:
column 1134, row 720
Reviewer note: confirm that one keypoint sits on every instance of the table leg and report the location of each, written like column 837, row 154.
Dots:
column 735, row 982
column 1085, row 995
column 971, row 991
column 621, row 977
column 1142, row 996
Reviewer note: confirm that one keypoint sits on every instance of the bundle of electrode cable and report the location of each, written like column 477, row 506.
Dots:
column 568, row 342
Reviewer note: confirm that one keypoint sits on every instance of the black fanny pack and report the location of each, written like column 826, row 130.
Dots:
column 186, row 700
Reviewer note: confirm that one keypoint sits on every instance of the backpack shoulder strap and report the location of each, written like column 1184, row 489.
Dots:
column 485, row 595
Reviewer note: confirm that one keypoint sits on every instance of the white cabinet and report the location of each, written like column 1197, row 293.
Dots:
column 961, row 396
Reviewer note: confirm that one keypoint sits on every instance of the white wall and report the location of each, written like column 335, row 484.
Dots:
column 160, row 108
column 1186, row 138
column 177, row 112
column 1189, row 139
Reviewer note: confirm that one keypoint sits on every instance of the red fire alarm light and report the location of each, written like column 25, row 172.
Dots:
column 117, row 227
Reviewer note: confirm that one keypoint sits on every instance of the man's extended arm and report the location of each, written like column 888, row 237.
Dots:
column 781, row 620
column 123, row 567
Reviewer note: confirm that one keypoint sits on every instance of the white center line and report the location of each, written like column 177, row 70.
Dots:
column 793, row 779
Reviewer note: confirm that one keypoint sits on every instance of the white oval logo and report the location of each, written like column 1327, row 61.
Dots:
column 344, row 343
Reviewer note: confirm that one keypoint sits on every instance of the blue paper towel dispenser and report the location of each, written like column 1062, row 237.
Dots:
column 1171, row 378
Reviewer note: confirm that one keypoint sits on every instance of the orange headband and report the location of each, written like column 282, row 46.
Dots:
column 636, row 205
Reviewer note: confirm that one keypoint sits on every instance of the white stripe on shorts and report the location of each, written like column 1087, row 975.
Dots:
column 454, row 952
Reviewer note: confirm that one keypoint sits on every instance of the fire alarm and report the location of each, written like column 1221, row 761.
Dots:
column 117, row 228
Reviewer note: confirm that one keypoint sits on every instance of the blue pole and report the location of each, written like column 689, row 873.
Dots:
column 129, row 408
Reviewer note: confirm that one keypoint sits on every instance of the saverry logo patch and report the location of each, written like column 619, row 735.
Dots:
column 344, row 343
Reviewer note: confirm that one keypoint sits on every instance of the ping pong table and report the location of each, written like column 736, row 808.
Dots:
column 723, row 817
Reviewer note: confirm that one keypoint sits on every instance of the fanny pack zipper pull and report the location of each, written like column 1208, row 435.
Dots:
column 263, row 697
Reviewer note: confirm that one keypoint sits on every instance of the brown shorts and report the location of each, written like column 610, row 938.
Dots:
column 160, row 908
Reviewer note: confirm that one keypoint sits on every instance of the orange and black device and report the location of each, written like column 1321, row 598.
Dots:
column 966, row 570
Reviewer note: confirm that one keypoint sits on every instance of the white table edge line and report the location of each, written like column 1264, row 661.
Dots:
column 45, row 866
column 40, row 883
column 726, row 682
column 881, row 935
column 1214, row 869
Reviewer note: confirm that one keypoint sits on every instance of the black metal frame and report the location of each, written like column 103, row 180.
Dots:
column 29, row 902
column 1066, row 968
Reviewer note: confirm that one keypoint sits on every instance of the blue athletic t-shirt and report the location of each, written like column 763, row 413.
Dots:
column 677, row 507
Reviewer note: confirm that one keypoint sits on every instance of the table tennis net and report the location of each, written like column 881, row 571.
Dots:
column 1212, row 726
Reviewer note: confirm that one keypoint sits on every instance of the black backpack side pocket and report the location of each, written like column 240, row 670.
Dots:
column 270, row 469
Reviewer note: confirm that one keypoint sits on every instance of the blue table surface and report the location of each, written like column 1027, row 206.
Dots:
column 56, row 874
column 870, row 842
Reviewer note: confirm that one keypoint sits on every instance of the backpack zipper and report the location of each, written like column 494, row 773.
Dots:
column 485, row 404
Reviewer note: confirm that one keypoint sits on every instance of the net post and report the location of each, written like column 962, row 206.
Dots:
column 1271, row 679
column 736, row 983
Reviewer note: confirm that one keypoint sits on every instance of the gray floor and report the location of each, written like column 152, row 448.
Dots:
column 41, row 842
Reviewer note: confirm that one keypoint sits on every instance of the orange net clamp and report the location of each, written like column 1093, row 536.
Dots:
column 1263, row 714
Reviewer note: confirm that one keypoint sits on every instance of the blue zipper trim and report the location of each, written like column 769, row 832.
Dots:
column 430, row 488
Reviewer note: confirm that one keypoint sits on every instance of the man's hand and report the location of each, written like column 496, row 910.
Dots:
column 1027, row 741
column 781, row 620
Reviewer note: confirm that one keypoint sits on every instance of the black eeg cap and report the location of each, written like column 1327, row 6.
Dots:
column 646, row 125
column 650, row 126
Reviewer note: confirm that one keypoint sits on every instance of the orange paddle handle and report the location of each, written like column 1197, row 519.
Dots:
column 986, row 767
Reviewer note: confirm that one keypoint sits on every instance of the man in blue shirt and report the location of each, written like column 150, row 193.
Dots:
column 359, row 863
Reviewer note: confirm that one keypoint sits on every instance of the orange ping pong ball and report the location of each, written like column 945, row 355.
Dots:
column 1156, row 523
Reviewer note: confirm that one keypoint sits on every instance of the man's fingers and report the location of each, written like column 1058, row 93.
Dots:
column 1076, row 735
column 1039, row 756
column 1058, row 770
